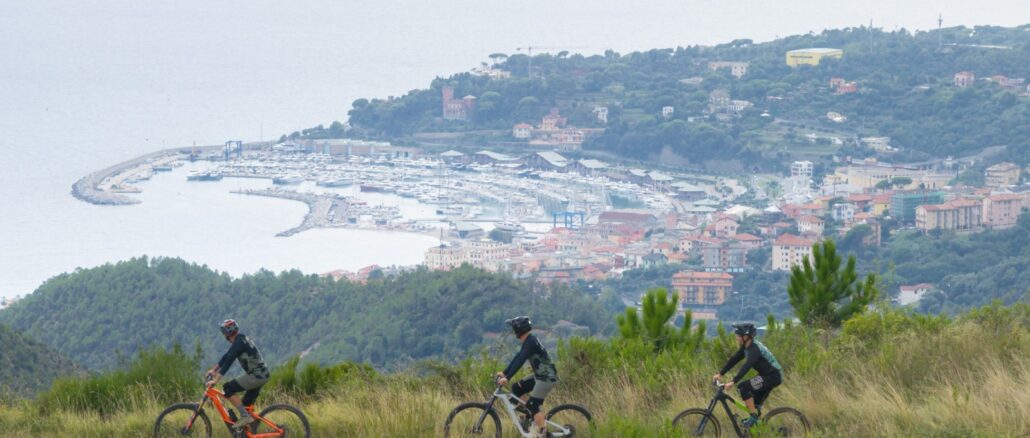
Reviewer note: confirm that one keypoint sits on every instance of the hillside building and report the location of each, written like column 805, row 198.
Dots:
column 812, row 56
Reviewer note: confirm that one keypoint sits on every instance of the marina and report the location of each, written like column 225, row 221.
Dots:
column 474, row 190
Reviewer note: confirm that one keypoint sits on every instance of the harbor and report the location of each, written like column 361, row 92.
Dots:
column 461, row 197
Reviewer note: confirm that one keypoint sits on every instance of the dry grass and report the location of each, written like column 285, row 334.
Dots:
column 965, row 381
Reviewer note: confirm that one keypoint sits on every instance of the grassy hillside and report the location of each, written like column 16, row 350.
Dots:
column 117, row 309
column 886, row 373
column 28, row 366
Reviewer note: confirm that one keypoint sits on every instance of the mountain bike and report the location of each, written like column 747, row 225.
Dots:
column 779, row 422
column 189, row 419
column 481, row 419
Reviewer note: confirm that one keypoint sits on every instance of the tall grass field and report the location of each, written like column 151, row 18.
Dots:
column 885, row 373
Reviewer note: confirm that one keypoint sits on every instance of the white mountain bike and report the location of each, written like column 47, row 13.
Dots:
column 474, row 419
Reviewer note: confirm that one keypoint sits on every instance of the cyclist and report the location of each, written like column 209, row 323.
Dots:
column 253, row 365
column 755, row 355
column 533, row 389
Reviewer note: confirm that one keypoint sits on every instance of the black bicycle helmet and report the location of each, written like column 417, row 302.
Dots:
column 229, row 327
column 520, row 325
column 745, row 329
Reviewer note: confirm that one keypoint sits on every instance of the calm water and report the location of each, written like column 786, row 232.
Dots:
column 84, row 84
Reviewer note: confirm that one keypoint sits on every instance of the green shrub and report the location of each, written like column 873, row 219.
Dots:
column 312, row 379
column 165, row 376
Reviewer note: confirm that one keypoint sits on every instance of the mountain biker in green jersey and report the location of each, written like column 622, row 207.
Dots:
column 533, row 389
column 756, row 390
column 244, row 350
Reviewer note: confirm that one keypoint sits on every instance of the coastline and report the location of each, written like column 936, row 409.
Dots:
column 88, row 188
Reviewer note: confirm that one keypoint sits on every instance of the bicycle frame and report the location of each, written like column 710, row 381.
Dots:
column 725, row 399
column 215, row 396
column 503, row 396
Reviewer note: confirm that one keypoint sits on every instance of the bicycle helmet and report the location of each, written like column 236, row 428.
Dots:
column 229, row 327
column 520, row 325
column 745, row 329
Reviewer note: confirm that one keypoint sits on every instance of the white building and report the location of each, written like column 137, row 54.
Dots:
column 914, row 293
column 802, row 169
column 602, row 114
column 667, row 111
column 737, row 69
column 843, row 212
column 522, row 131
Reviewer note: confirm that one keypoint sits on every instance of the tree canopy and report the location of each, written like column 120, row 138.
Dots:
column 119, row 309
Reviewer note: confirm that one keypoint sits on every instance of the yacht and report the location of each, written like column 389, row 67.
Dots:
column 287, row 180
column 200, row 175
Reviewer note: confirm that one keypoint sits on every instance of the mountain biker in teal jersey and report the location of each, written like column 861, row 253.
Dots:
column 533, row 389
column 755, row 355
column 244, row 350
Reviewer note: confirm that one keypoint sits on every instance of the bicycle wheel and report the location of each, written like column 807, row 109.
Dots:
column 467, row 420
column 571, row 420
column 783, row 422
column 689, row 423
column 172, row 422
column 289, row 419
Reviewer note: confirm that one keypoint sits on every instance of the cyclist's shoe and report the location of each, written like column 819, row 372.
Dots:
column 750, row 421
column 244, row 421
column 521, row 409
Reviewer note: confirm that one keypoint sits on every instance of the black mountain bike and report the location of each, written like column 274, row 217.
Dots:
column 779, row 422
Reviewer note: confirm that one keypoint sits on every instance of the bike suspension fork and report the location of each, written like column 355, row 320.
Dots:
column 482, row 417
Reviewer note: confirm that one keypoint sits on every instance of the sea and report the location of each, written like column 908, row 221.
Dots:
column 87, row 83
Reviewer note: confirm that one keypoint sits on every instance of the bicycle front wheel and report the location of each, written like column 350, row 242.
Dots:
column 472, row 420
column 784, row 422
column 286, row 421
column 569, row 421
column 174, row 422
column 696, row 422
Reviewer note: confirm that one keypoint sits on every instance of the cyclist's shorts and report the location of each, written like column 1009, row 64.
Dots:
column 541, row 388
column 245, row 383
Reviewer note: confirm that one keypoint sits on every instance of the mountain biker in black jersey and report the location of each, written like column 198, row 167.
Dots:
column 244, row 350
column 533, row 389
column 755, row 355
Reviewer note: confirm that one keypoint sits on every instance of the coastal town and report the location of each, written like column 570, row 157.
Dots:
column 552, row 219
column 532, row 203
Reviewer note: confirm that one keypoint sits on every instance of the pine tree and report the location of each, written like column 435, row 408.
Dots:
column 823, row 293
column 654, row 325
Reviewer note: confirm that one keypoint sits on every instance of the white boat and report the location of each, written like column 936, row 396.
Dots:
column 200, row 175
column 339, row 182
column 287, row 180
column 509, row 226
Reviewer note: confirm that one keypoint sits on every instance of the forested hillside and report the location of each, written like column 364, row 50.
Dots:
column 903, row 79
column 101, row 314
column 27, row 366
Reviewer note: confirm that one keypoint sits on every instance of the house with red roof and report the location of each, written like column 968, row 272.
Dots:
column 811, row 225
column 749, row 241
column 789, row 250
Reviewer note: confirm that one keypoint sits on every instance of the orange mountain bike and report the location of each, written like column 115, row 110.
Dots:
column 189, row 419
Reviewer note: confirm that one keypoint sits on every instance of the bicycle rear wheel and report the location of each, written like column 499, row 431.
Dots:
column 571, row 420
column 468, row 420
column 290, row 420
column 696, row 422
column 173, row 422
column 783, row 422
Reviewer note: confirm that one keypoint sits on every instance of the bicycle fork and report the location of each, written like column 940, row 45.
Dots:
column 704, row 421
column 196, row 413
column 482, row 417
